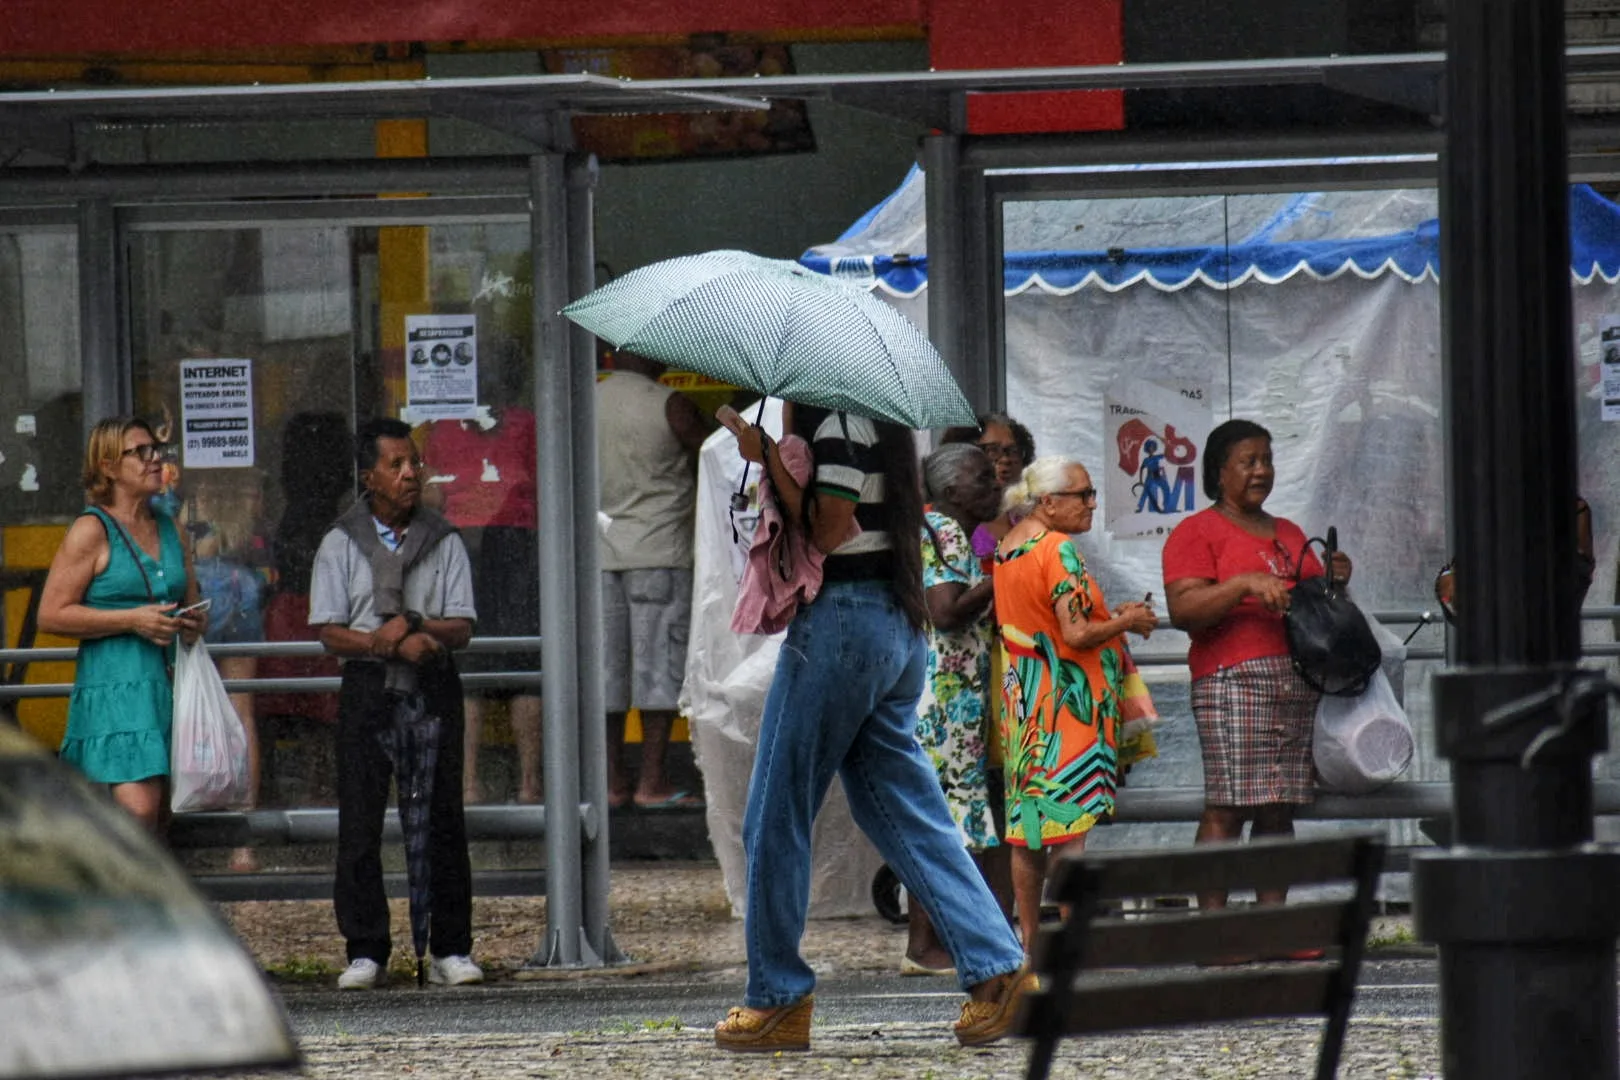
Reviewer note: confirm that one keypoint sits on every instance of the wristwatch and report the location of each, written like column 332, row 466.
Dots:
column 413, row 621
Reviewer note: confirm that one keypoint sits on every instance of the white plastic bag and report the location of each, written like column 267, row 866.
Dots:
column 208, row 753
column 1364, row 742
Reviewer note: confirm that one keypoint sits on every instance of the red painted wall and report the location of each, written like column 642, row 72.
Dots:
column 75, row 27
column 962, row 34
column 966, row 34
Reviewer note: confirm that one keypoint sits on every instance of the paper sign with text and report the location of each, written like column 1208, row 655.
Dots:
column 216, row 414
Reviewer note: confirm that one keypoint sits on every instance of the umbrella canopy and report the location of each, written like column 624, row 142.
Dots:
column 412, row 744
column 772, row 326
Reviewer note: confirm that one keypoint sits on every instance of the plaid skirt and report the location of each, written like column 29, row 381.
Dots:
column 1255, row 721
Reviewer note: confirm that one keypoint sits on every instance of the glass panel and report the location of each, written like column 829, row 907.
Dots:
column 1134, row 325
column 453, row 336
column 243, row 345
column 41, row 445
column 262, row 349
column 41, row 437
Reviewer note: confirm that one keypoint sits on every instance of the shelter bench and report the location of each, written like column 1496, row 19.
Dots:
column 1162, row 987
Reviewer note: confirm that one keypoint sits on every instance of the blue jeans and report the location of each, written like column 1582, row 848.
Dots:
column 844, row 700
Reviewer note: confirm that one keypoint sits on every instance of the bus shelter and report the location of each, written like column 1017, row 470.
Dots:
column 127, row 235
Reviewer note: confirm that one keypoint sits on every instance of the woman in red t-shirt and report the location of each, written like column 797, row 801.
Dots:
column 1228, row 572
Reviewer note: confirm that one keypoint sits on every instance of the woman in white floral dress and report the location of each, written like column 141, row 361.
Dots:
column 963, row 491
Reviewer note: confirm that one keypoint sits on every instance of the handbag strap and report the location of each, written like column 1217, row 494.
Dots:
column 1329, row 546
column 112, row 524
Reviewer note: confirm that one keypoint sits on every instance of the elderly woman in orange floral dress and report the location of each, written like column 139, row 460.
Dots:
column 1066, row 668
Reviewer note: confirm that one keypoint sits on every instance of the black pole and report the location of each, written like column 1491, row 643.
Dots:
column 1523, row 908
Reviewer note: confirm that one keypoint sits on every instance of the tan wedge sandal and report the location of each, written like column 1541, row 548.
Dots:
column 766, row 1030
column 986, row 1021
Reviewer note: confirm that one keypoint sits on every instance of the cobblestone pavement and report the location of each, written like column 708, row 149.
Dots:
column 1375, row 1050
column 671, row 918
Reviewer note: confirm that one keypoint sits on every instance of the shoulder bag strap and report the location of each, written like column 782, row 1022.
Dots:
column 112, row 524
column 1329, row 546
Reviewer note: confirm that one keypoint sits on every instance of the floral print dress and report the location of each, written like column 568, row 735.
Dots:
column 1061, row 705
column 951, row 716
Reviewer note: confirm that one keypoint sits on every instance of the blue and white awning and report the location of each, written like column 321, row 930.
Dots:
column 1171, row 243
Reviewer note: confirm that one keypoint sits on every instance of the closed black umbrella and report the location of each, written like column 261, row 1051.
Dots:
column 411, row 740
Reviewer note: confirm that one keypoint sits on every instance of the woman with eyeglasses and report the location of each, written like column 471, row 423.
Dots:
column 1010, row 448
column 116, row 584
column 1228, row 573
column 1066, row 668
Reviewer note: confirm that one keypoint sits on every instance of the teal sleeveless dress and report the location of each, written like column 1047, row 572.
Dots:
column 123, row 702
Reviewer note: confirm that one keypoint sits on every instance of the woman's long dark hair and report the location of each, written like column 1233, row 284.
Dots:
column 902, row 495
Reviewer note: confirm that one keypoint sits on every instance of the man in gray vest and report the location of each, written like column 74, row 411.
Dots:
column 646, row 436
column 391, row 591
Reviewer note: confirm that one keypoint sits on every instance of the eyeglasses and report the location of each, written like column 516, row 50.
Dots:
column 995, row 451
column 1085, row 494
column 147, row 452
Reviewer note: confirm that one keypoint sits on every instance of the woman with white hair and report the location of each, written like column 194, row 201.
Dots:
column 1066, row 666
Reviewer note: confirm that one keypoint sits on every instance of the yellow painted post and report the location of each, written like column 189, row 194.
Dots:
column 403, row 265
column 30, row 547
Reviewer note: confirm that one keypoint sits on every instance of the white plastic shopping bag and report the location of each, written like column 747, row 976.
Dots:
column 208, row 755
column 1362, row 742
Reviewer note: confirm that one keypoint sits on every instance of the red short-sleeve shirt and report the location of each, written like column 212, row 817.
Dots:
column 1209, row 546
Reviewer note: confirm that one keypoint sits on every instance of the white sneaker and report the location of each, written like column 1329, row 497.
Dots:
column 362, row 974
column 454, row 971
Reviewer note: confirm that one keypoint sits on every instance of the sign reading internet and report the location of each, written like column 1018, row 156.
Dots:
column 216, row 414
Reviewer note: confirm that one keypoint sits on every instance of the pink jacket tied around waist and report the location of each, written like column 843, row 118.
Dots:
column 784, row 567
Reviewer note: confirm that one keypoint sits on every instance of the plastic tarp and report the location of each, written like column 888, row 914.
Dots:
column 1063, row 245
column 723, row 697
column 1320, row 320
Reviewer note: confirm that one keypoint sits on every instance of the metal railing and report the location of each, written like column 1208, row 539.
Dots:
column 280, row 650
column 515, row 679
column 1413, row 799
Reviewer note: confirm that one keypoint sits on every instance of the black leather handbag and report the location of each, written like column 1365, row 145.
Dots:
column 1329, row 641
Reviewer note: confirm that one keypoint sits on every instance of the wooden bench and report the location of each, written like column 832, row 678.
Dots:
column 1163, row 988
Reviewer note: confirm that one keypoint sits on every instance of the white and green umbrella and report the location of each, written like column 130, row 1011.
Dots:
column 772, row 326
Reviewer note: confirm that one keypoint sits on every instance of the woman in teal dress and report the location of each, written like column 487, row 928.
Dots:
column 116, row 584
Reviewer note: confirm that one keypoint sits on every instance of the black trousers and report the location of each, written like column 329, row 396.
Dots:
column 363, row 777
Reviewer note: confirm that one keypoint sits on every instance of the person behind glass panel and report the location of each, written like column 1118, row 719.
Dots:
column 481, row 477
column 224, row 514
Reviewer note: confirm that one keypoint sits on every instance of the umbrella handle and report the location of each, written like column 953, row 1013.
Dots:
column 739, row 501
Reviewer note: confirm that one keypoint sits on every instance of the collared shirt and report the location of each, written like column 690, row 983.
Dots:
column 340, row 587
column 391, row 539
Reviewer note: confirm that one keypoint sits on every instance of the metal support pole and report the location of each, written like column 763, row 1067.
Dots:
column 964, row 272
column 554, row 423
column 1522, row 907
column 986, row 291
column 105, row 375
column 947, row 268
column 587, row 639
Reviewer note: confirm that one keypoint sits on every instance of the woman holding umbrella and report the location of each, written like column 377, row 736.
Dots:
column 844, row 701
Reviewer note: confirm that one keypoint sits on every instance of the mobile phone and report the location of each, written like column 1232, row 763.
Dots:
column 730, row 419
column 201, row 605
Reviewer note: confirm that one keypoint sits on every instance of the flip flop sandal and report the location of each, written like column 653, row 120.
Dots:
column 766, row 1030
column 680, row 800
column 908, row 966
